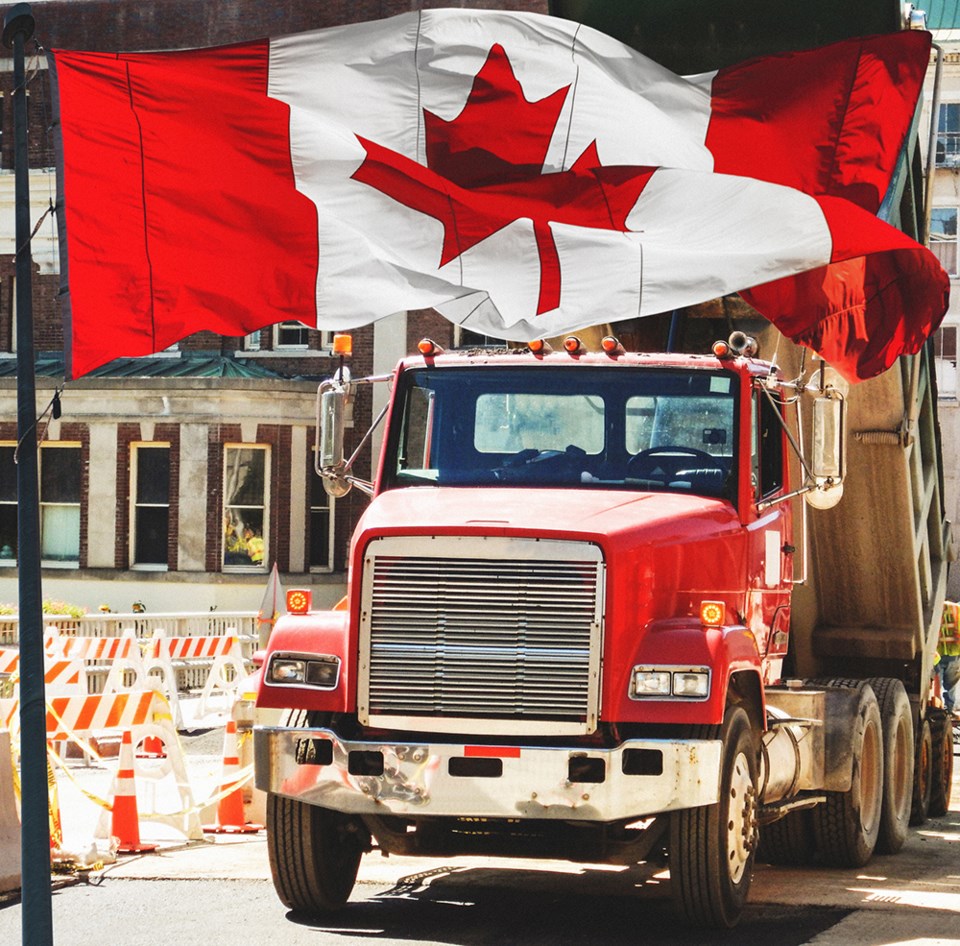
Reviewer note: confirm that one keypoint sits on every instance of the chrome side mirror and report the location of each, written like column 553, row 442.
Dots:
column 330, row 463
column 827, row 459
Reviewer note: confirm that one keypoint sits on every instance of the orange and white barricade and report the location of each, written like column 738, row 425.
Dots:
column 65, row 670
column 9, row 661
column 65, row 676
column 10, row 715
column 97, row 712
column 221, row 654
column 61, row 674
column 124, row 655
column 147, row 715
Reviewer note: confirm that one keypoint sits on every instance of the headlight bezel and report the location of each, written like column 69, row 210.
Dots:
column 315, row 671
column 687, row 683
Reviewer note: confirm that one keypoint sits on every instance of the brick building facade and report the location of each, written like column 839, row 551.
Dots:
column 179, row 479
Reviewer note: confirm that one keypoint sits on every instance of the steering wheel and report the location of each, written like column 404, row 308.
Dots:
column 670, row 459
column 532, row 465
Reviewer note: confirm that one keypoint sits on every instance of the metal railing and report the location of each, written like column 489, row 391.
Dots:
column 173, row 624
column 183, row 624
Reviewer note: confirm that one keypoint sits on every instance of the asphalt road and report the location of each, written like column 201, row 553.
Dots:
column 217, row 891
column 469, row 909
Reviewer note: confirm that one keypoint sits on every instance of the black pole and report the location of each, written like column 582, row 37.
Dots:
column 36, row 915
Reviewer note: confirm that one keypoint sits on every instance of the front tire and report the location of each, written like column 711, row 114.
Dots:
column 712, row 848
column 847, row 824
column 314, row 852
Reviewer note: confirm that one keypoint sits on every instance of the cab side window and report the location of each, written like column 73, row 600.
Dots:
column 767, row 446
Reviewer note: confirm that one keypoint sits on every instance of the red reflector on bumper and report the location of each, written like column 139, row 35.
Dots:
column 492, row 752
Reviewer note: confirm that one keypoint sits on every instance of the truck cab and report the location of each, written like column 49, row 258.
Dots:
column 568, row 597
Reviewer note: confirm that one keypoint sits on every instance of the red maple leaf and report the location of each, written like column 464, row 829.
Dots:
column 485, row 170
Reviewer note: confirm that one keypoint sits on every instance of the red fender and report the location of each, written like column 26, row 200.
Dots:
column 724, row 650
column 316, row 633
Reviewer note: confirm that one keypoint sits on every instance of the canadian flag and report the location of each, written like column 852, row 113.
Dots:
column 524, row 175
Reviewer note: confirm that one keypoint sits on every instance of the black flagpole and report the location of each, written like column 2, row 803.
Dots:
column 36, row 915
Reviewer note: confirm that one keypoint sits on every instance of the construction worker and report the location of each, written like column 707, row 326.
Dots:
column 948, row 651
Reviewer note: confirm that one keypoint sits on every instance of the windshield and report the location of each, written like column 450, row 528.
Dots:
column 633, row 428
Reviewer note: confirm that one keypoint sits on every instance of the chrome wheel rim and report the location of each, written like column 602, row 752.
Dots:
column 741, row 824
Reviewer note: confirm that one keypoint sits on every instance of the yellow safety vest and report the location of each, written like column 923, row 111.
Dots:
column 949, row 633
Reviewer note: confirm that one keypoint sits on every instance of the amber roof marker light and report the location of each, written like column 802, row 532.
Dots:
column 539, row 347
column 342, row 344
column 573, row 345
column 612, row 346
column 299, row 600
column 343, row 347
column 428, row 348
column 712, row 613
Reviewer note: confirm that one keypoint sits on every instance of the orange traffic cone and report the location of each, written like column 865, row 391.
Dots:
column 230, row 816
column 151, row 748
column 125, row 823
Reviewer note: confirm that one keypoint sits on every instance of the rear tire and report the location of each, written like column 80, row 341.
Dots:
column 898, row 760
column 941, row 730
column 789, row 841
column 922, row 775
column 847, row 824
column 314, row 852
column 712, row 848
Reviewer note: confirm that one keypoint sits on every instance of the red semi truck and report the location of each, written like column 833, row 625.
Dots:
column 623, row 607
column 611, row 607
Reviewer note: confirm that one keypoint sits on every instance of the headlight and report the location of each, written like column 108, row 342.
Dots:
column 692, row 683
column 322, row 672
column 284, row 670
column 670, row 682
column 651, row 682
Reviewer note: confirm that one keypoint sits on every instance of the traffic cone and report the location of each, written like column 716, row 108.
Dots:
column 230, row 816
column 152, row 748
column 125, row 822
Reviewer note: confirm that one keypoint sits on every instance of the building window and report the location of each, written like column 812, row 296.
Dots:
column 61, row 470
column 945, row 355
column 245, row 491
column 251, row 342
column 150, row 472
column 943, row 237
column 8, row 505
column 293, row 336
column 464, row 338
column 948, row 135
column 321, row 526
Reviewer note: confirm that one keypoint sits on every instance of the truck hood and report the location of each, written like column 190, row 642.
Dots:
column 606, row 516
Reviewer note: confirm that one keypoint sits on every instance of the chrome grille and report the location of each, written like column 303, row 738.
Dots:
column 495, row 637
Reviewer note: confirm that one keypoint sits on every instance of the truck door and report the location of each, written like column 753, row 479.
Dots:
column 770, row 533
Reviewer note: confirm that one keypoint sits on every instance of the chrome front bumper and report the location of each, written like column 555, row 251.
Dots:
column 636, row 779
